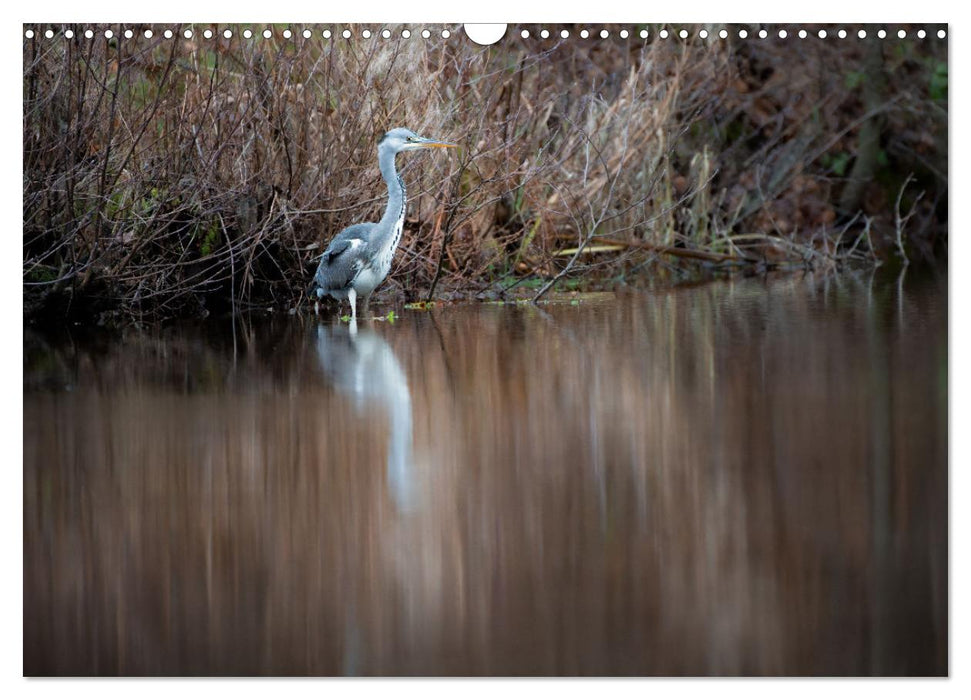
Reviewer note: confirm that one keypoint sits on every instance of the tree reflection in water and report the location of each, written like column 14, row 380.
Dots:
column 747, row 477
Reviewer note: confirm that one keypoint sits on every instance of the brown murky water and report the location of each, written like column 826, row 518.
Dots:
column 740, row 478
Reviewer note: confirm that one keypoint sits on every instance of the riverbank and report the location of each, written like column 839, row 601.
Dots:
column 181, row 177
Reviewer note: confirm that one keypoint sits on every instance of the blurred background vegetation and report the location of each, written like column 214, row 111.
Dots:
column 180, row 176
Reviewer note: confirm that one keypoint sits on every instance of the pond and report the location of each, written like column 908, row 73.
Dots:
column 743, row 477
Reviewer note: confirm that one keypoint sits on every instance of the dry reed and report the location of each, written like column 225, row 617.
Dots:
column 178, row 176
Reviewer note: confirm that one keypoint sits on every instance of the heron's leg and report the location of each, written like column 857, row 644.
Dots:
column 352, row 298
column 367, row 303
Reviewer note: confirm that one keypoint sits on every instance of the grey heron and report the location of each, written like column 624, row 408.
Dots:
column 358, row 258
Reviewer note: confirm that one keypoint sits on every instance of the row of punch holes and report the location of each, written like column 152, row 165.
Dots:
column 525, row 33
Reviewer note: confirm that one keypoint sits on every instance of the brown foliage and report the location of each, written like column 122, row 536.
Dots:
column 173, row 176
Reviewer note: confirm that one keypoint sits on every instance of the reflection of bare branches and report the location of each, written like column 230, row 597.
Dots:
column 641, row 514
column 901, row 222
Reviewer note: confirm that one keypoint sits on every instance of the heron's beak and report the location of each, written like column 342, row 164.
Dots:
column 432, row 143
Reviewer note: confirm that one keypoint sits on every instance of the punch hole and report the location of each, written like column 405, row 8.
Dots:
column 841, row 33
column 68, row 33
column 49, row 34
column 88, row 34
column 366, row 34
column 129, row 33
column 326, row 34
column 663, row 33
column 604, row 34
column 783, row 34
column 742, row 33
column 683, row 34
column 822, row 34
column 287, row 34
column 624, row 33
column 921, row 33
column 207, row 34
column 703, row 34
column 941, row 34
column 425, row 34
column 882, row 34
column 29, row 34
column 803, row 34
column 108, row 34
column 346, row 33
column 167, row 34
column 723, row 34
column 228, row 33
column 584, row 34
column 405, row 33
column 485, row 34
column 187, row 33
column 763, row 34
column 267, row 34
column 564, row 34
column 307, row 34
column 386, row 33
column 446, row 34
column 524, row 34
column 861, row 34
column 247, row 34
column 545, row 34
column 643, row 34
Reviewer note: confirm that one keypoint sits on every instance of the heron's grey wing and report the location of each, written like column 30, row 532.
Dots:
column 339, row 265
column 335, row 250
column 343, row 258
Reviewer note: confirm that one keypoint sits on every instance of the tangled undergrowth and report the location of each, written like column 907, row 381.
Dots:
column 173, row 177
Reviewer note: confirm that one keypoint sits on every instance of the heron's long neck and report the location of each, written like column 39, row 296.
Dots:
column 395, row 212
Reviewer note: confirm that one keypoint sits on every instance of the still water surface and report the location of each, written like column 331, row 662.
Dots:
column 747, row 477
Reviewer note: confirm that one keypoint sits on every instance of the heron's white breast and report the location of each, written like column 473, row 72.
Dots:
column 387, row 252
column 374, row 273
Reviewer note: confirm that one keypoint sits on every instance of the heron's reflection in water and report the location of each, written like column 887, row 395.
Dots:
column 363, row 367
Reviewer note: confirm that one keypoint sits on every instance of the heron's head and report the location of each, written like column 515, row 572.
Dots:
column 402, row 139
